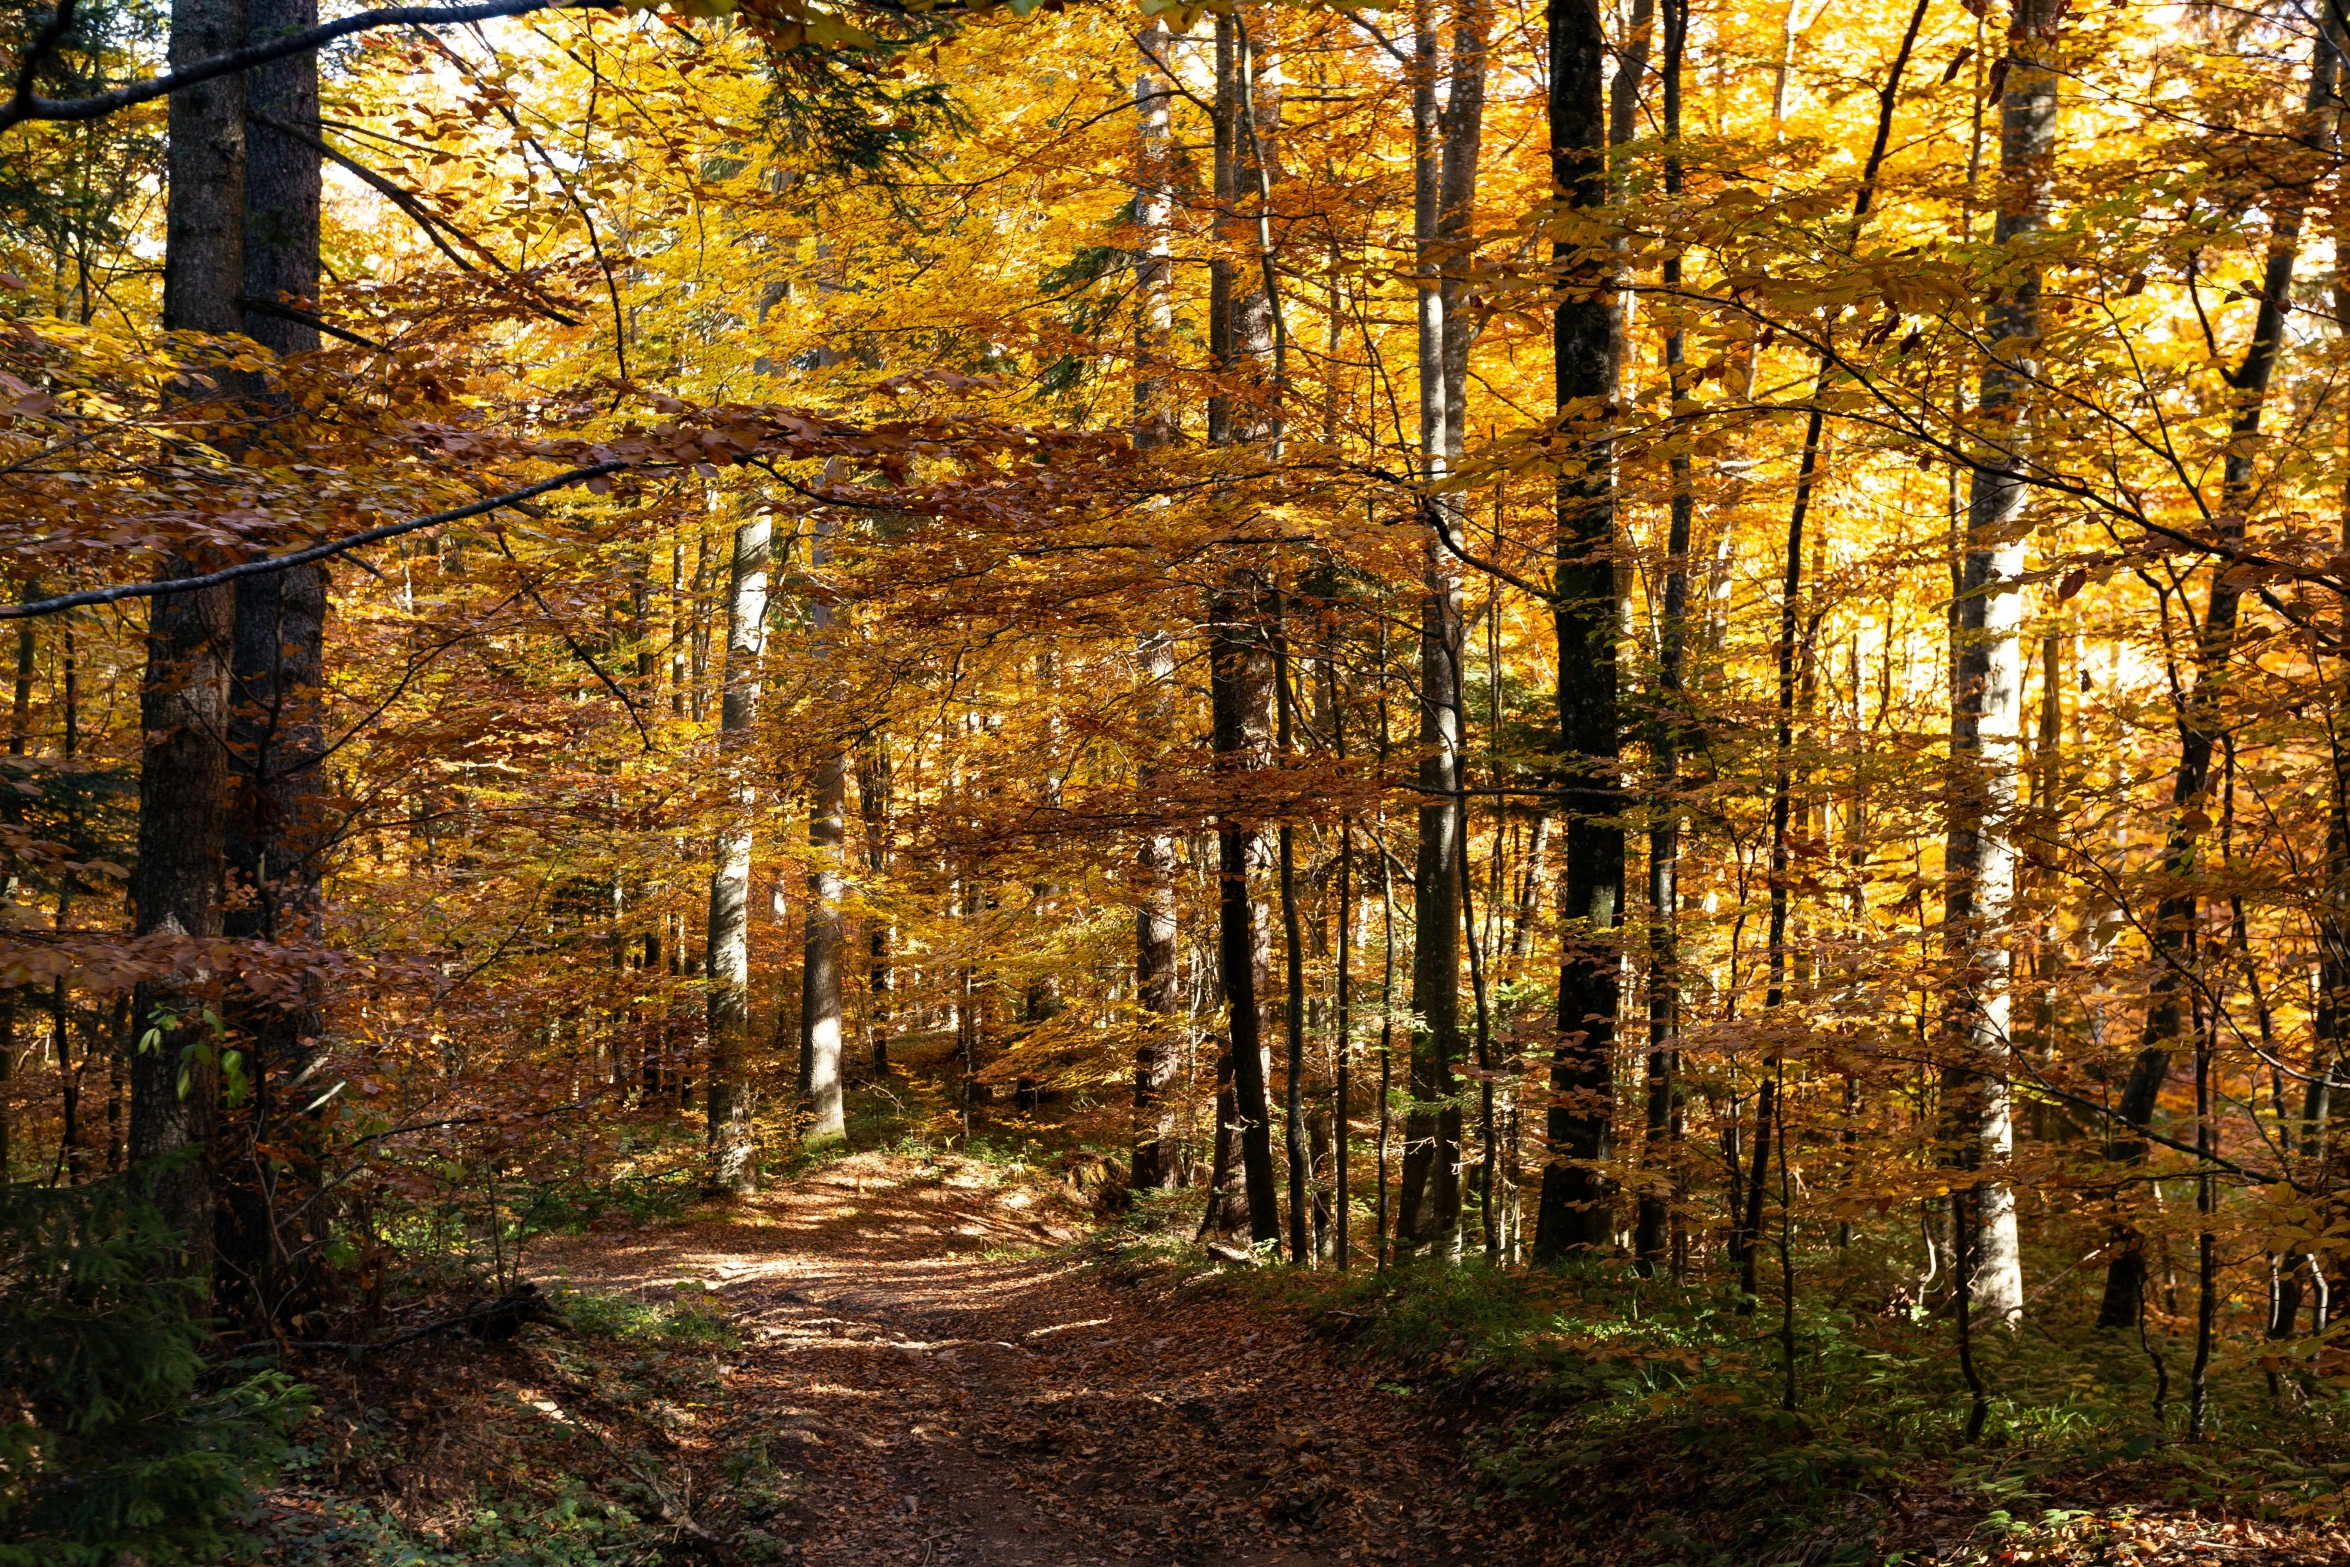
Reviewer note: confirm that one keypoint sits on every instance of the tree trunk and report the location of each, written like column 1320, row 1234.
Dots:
column 1649, row 1231
column 1240, row 686
column 1157, row 991
column 183, row 698
column 820, row 967
column 1239, row 694
column 1225, row 118
column 1428, row 1210
column 733, row 1155
column 873, row 804
column 1575, row 1214
column 276, row 741
column 204, row 221
column 1987, row 688
column 176, row 888
column 1293, row 1011
column 1456, row 213
column 820, row 964
column 2199, row 719
column 1623, row 124
column 281, row 185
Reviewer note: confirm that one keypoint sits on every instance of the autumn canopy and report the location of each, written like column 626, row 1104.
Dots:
column 1691, row 646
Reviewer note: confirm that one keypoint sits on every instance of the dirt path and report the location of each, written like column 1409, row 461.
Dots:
column 938, row 1399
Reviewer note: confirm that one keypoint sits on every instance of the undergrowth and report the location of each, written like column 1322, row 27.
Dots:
column 1656, row 1415
column 550, row 1456
column 118, row 1439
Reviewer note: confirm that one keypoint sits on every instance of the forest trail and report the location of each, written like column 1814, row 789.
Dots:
column 943, row 1395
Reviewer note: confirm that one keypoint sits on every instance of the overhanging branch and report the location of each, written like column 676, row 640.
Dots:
column 255, row 568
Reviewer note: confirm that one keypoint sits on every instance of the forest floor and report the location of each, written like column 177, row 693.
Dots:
column 894, row 1359
column 942, row 1390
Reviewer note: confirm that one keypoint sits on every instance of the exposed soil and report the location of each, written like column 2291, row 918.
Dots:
column 914, row 1369
column 937, row 1398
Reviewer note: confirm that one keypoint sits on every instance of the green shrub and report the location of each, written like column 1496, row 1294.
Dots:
column 116, row 1435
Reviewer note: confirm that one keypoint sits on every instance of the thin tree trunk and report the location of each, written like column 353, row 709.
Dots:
column 1157, row 990
column 1456, row 213
column 821, row 947
column 1575, row 1213
column 1240, row 691
column 873, row 805
column 1225, row 120
column 1649, row 1233
column 1157, row 1057
column 1381, row 1253
column 1529, row 894
column 1428, row 1210
column 1623, row 124
column 2199, row 719
column 1342, row 1096
column 1293, row 949
column 733, row 1153
column 20, row 734
column 1240, row 686
column 821, row 951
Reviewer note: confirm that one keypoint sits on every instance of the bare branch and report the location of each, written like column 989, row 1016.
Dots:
column 255, row 568
column 26, row 106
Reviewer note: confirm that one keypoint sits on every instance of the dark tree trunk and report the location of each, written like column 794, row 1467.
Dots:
column 1239, row 687
column 183, row 699
column 281, row 185
column 1428, row 1209
column 276, row 742
column 2200, row 721
column 176, row 888
column 1293, row 1011
column 1649, row 1230
column 1576, row 1213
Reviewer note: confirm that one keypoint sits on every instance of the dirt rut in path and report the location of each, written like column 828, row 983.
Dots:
column 933, row 1398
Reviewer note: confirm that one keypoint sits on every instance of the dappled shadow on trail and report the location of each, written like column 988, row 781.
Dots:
column 936, row 1388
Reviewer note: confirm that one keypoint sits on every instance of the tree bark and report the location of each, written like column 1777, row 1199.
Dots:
column 1987, row 685
column 820, row 963
column 733, row 1153
column 1240, row 688
column 276, row 739
column 873, row 804
column 281, row 185
column 1158, row 1054
column 820, row 966
column 1293, row 1011
column 176, row 888
column 1429, row 1203
column 1576, row 1196
column 183, row 699
column 1649, row 1230
column 1157, row 991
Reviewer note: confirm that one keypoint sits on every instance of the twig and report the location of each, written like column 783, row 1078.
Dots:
column 407, row 201
column 255, row 568
column 310, row 319
column 521, row 1305
column 26, row 106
